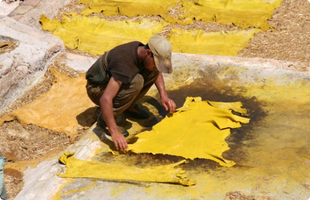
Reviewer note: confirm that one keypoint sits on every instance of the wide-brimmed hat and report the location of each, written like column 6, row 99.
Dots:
column 162, row 50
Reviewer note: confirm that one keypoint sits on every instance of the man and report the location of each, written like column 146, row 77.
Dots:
column 120, row 77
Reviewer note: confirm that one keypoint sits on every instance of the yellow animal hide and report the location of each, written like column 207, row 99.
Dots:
column 76, row 168
column 57, row 109
column 197, row 130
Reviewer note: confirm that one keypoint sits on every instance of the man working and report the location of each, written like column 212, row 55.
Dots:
column 120, row 77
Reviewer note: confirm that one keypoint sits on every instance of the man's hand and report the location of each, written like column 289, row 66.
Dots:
column 119, row 141
column 168, row 104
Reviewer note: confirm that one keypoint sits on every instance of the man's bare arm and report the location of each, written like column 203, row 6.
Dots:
column 165, row 100
column 106, row 104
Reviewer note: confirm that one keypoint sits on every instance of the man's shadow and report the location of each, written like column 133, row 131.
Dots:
column 90, row 115
column 152, row 119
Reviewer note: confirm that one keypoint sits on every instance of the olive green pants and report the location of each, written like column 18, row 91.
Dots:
column 128, row 94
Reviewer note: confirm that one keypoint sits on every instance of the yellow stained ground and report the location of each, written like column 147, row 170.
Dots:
column 4, row 44
column 58, row 109
column 57, row 196
column 95, row 35
column 274, row 90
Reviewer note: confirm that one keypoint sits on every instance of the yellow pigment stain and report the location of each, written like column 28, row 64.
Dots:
column 5, row 44
column 57, row 110
column 242, row 13
column 197, row 130
column 95, row 35
column 280, row 91
column 80, row 189
column 76, row 168
column 118, row 190
column 57, row 196
column 215, row 43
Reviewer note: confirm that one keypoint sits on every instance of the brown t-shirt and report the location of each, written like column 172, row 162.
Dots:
column 123, row 63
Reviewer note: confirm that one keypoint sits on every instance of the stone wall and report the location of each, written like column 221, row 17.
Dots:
column 23, row 65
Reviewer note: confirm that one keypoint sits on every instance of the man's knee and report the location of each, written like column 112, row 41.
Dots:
column 94, row 93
